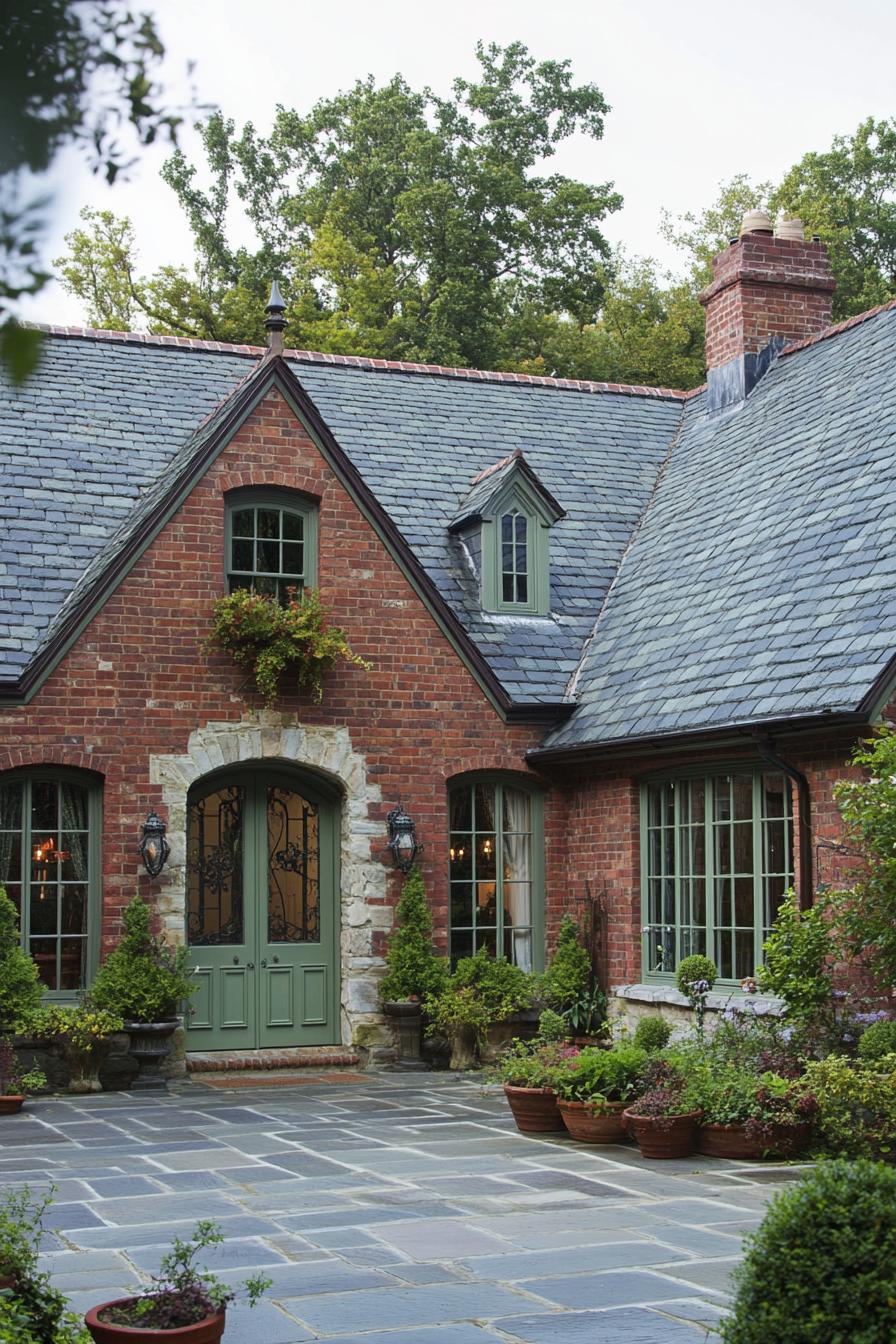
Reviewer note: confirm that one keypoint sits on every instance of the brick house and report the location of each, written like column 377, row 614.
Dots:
column 622, row 640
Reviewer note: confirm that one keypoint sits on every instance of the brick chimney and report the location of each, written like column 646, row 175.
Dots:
column 768, row 290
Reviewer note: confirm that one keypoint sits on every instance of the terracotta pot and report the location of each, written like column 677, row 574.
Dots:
column 207, row 1331
column 9, row 1105
column 534, row 1109
column 590, row 1124
column 666, row 1136
column 732, row 1141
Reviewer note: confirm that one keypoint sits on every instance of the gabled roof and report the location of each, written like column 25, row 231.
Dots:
column 760, row 584
column 489, row 485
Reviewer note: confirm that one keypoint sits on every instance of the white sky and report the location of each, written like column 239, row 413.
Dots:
column 699, row 91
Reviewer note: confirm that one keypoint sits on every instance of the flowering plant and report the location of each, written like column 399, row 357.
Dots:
column 14, row 1083
column 182, row 1294
column 758, row 1101
column 534, row 1063
column 82, row 1027
column 666, row 1091
column 600, row 1076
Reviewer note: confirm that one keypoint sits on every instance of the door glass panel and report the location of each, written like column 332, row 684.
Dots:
column 293, row 868
column 215, row 868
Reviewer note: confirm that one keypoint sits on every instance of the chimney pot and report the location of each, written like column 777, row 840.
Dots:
column 791, row 229
column 756, row 221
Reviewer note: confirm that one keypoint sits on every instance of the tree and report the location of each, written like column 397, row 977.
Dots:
column 702, row 236
column 71, row 72
column 847, row 196
column 401, row 224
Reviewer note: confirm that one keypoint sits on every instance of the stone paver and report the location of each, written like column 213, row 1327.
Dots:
column 400, row 1209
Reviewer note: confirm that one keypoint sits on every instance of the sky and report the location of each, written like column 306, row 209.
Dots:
column 699, row 91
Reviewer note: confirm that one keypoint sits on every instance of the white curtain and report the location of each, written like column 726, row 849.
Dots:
column 518, row 875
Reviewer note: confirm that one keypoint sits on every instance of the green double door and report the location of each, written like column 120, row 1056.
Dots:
column 262, row 927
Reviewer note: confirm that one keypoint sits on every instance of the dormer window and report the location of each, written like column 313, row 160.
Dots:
column 271, row 543
column 505, row 522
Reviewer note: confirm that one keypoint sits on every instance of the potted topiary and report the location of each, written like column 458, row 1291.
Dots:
column 20, row 987
column 144, row 983
column 84, row 1034
column 695, row 978
column 568, row 986
column 414, row 970
column 822, row 1265
column 185, row 1305
column 652, row 1033
column 14, row 1084
column 482, row 990
column 526, row 1070
column 593, row 1088
column 664, row 1117
column 35, row 1311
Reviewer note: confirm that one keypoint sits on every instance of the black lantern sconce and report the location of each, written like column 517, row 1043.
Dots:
column 154, row 848
column 402, row 839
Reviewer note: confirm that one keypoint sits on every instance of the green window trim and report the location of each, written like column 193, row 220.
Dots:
column 504, row 556
column 270, row 541
column 500, row 852
column 716, row 857
column 52, row 876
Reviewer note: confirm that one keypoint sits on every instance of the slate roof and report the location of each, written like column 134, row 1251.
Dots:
column 761, row 583
column 710, row 569
column 488, row 485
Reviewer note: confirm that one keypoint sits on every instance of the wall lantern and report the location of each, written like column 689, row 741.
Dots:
column 402, row 839
column 154, row 848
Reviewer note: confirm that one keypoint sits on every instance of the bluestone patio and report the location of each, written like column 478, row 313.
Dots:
column 400, row 1209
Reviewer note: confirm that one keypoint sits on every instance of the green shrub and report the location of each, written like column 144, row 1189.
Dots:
column 821, row 1268
column 758, row 1101
column 20, row 987
column 568, row 976
column 533, row 1063
column 797, row 954
column 33, row 1312
column 600, row 1075
column 693, row 971
column 414, row 969
column 142, row 980
column 482, row 990
column 652, row 1034
column 552, row 1026
column 878, row 1040
column 856, row 1104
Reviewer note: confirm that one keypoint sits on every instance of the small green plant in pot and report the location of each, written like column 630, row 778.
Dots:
column 15, row 1082
column 414, row 972
column 185, row 1302
column 747, row 1115
column 593, row 1090
column 664, row 1116
column 527, row 1071
column 85, row 1036
column 144, row 982
column 822, row 1265
column 481, row 990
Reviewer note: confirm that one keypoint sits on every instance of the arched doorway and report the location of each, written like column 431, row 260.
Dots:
column 262, row 870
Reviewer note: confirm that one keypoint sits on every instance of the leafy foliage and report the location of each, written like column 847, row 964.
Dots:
column 82, row 1026
column 760, row 1102
column 857, row 1103
column 31, row 1312
column 270, row 639
column 414, row 969
column 14, row 1083
column 652, row 1034
column 797, row 958
column 71, row 72
column 879, row 1040
column 182, row 1293
column 568, row 976
column 600, row 1076
column 20, row 988
column 482, row 990
column 142, row 980
column 552, row 1026
column 695, row 972
column 867, row 914
column 534, row 1063
column 822, row 1266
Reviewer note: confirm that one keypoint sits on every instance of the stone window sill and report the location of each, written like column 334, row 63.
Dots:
column 762, row 1005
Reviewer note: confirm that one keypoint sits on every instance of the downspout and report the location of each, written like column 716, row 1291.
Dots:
column 804, row 812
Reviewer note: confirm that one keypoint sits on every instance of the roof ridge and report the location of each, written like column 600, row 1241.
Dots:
column 836, row 328
column 369, row 362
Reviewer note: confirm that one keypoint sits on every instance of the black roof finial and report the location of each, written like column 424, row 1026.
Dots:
column 274, row 321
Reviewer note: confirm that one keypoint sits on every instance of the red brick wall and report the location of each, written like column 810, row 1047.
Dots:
column 137, row 682
column 764, row 287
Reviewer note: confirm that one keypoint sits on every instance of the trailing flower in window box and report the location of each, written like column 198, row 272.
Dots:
column 269, row 639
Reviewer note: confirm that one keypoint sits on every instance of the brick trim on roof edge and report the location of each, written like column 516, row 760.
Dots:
column 367, row 362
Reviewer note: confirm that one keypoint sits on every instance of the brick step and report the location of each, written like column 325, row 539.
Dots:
column 232, row 1061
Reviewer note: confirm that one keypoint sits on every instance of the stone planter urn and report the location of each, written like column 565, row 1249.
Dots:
column 150, row 1046
column 463, row 1049
column 85, row 1066
column 406, row 1018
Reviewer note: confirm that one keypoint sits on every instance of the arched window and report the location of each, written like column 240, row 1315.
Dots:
column 496, row 868
column 49, row 864
column 271, row 542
